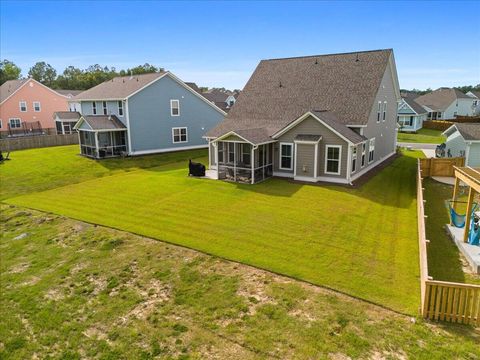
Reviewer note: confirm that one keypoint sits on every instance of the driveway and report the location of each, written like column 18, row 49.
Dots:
column 418, row 145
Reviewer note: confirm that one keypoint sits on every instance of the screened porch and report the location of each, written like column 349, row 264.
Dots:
column 243, row 162
column 103, row 144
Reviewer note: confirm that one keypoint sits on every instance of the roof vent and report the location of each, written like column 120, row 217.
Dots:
column 316, row 61
column 280, row 85
column 356, row 60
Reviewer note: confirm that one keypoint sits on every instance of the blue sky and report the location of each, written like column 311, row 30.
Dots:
column 220, row 43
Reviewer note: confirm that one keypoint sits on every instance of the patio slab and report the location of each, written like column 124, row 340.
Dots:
column 471, row 252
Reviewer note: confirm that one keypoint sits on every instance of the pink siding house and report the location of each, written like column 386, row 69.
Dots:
column 28, row 102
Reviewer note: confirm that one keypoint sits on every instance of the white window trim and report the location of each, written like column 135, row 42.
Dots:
column 173, row 135
column 104, row 108
column 370, row 148
column 94, row 108
column 20, row 106
column 364, row 155
column 280, row 156
column 384, row 113
column 339, row 159
column 171, row 107
column 120, row 107
column 39, row 106
column 354, row 157
column 379, row 111
column 10, row 124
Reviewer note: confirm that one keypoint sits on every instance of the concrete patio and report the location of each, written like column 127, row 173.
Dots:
column 471, row 252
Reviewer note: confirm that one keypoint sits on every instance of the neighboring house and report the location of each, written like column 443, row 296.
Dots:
column 26, row 102
column 143, row 114
column 463, row 140
column 223, row 99
column 411, row 115
column 72, row 106
column 65, row 121
column 446, row 103
column 311, row 118
column 475, row 95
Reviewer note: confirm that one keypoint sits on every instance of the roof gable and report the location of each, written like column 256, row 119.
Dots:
column 441, row 98
column 11, row 87
column 281, row 90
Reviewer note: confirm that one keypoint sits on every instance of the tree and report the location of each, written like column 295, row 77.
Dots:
column 71, row 79
column 140, row 69
column 43, row 73
column 9, row 71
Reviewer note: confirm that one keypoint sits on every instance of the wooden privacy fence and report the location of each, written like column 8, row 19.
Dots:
column 441, row 300
column 440, row 166
column 29, row 142
column 437, row 124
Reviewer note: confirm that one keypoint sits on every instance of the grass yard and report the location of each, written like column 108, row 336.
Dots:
column 444, row 260
column 71, row 290
column 360, row 241
column 47, row 168
column 426, row 136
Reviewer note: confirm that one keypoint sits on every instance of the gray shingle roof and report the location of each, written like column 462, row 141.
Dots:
column 469, row 131
column 441, row 98
column 104, row 122
column 419, row 109
column 255, row 136
column 118, row 88
column 281, row 90
column 332, row 120
column 67, row 115
column 9, row 87
column 69, row 92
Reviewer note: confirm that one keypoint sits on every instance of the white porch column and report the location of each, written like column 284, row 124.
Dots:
column 96, row 145
column 235, row 161
column 252, row 160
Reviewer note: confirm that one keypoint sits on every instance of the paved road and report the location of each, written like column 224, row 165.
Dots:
column 418, row 145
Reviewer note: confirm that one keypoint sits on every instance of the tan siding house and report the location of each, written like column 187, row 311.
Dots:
column 316, row 118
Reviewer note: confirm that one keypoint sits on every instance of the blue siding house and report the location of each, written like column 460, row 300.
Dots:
column 143, row 114
column 411, row 115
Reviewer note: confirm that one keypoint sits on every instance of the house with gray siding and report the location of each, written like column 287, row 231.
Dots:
column 315, row 118
column 463, row 140
column 411, row 115
column 143, row 114
column 446, row 104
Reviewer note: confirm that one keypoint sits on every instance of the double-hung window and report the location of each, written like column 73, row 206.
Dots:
column 36, row 106
column 333, row 155
column 364, row 152
column 105, row 109
column 371, row 150
column 120, row 108
column 384, row 110
column 23, row 106
column 175, row 107
column 286, row 156
column 231, row 152
column 94, row 108
column 246, row 154
column 354, row 159
column 179, row 135
column 379, row 111
column 15, row 123
column 221, row 149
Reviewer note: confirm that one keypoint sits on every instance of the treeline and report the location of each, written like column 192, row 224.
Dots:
column 71, row 78
column 464, row 89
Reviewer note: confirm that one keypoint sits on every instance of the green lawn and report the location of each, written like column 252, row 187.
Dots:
column 47, row 168
column 359, row 241
column 71, row 290
column 427, row 136
column 444, row 261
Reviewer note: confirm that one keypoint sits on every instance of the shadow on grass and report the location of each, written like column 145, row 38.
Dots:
column 153, row 162
column 444, row 261
column 393, row 185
